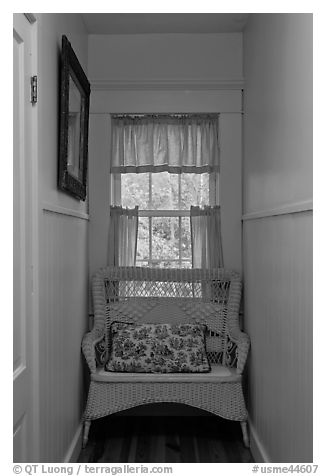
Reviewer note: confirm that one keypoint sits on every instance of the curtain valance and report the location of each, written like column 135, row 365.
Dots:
column 158, row 143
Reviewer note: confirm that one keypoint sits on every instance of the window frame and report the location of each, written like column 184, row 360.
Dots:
column 214, row 193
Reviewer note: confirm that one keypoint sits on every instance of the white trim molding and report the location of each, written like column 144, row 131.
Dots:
column 49, row 207
column 256, row 447
column 75, row 446
column 167, row 84
column 297, row 207
column 30, row 17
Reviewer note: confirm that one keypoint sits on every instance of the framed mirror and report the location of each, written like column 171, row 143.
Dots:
column 74, row 114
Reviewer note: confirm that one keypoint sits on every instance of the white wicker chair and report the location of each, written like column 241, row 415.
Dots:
column 166, row 295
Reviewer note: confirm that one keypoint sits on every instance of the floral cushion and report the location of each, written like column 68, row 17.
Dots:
column 159, row 348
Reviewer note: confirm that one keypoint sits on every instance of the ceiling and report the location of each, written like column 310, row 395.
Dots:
column 137, row 23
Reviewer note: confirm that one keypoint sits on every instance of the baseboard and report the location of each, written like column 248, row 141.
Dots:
column 256, row 447
column 75, row 446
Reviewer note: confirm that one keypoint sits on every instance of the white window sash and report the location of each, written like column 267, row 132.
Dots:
column 214, row 186
column 151, row 213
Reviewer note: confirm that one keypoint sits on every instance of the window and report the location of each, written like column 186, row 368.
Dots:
column 164, row 201
column 164, row 164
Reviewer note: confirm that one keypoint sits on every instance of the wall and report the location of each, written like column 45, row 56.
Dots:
column 165, row 57
column 63, row 258
column 277, row 233
column 165, row 73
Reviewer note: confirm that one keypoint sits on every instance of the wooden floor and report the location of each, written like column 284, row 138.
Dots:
column 159, row 439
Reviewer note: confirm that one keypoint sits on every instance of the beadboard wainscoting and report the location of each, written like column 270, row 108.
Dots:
column 63, row 321
column 278, row 308
column 277, row 234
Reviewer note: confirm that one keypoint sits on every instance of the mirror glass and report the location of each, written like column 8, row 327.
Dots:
column 74, row 127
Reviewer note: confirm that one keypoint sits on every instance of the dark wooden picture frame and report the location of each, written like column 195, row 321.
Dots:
column 74, row 115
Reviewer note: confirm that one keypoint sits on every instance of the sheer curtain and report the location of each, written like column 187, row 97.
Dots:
column 158, row 143
column 206, row 239
column 123, row 234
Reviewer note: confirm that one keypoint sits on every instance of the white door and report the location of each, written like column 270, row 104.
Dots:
column 22, row 241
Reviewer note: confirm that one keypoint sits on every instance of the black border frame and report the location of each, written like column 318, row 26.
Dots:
column 70, row 66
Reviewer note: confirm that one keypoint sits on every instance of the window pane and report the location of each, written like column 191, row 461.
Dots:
column 171, row 264
column 165, row 243
column 165, row 264
column 185, row 238
column 135, row 190
column 165, row 238
column 186, row 264
column 165, row 191
column 143, row 239
column 170, row 245
column 194, row 190
column 144, row 264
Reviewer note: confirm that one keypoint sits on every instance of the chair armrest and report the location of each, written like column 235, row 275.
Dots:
column 241, row 339
column 88, row 346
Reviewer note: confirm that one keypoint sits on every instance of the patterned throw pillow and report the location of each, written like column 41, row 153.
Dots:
column 157, row 348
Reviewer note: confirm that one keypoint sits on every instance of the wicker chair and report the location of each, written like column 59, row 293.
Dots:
column 157, row 295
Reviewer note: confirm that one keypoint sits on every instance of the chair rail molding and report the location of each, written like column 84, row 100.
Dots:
column 296, row 207
column 49, row 207
column 167, row 84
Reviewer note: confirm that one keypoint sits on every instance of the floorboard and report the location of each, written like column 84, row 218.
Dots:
column 159, row 439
